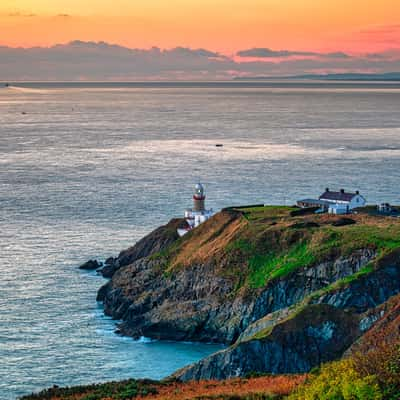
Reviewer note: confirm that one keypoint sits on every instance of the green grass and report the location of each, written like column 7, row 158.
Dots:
column 364, row 236
column 274, row 251
column 264, row 268
column 273, row 244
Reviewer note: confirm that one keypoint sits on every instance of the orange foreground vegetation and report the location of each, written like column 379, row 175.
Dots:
column 237, row 388
column 279, row 385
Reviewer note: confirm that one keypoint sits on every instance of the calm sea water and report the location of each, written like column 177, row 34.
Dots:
column 87, row 171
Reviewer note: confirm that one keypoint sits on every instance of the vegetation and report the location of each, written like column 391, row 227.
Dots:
column 371, row 372
column 339, row 381
column 252, row 388
column 264, row 243
column 123, row 390
column 274, row 243
column 378, row 355
column 268, row 267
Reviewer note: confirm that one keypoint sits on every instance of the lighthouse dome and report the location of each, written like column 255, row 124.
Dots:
column 199, row 190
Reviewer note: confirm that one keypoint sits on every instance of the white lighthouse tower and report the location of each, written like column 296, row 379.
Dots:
column 198, row 214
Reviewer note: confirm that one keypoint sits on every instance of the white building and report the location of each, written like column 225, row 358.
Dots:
column 343, row 202
column 198, row 214
column 335, row 202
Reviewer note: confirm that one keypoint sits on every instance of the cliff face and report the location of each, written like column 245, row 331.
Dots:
column 183, row 304
column 285, row 292
column 314, row 335
column 320, row 329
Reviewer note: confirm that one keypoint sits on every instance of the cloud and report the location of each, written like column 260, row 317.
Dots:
column 260, row 52
column 79, row 60
column 20, row 14
column 338, row 54
column 264, row 52
column 184, row 51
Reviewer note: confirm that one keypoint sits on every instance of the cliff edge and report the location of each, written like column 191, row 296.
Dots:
column 285, row 291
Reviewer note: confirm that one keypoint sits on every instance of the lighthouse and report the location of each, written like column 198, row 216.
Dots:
column 198, row 214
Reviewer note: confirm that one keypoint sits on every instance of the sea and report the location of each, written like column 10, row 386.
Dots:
column 88, row 169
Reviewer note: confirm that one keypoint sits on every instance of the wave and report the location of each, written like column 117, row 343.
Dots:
column 22, row 89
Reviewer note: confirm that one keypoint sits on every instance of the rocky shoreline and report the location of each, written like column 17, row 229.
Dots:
column 199, row 288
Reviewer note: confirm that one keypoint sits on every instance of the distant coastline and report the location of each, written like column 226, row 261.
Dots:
column 386, row 77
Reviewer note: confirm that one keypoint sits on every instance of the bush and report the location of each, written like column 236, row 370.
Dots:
column 379, row 355
column 339, row 381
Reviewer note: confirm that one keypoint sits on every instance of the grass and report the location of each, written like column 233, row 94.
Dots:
column 264, row 268
column 271, row 250
column 267, row 212
column 265, row 243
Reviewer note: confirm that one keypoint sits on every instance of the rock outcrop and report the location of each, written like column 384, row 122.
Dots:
column 298, row 339
column 314, row 335
column 285, row 291
column 90, row 265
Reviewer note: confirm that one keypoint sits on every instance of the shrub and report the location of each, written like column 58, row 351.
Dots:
column 379, row 355
column 339, row 381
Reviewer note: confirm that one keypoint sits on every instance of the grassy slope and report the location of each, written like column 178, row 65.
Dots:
column 302, row 244
column 267, row 243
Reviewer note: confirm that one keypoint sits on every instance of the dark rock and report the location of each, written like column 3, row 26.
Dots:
column 305, row 225
column 343, row 222
column 369, row 290
column 101, row 294
column 108, row 271
column 195, row 304
column 303, row 211
column 90, row 265
column 109, row 261
column 312, row 336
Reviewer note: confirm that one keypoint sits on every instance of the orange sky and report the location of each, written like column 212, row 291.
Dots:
column 219, row 25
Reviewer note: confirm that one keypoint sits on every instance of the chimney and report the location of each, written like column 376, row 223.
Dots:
column 341, row 190
column 327, row 190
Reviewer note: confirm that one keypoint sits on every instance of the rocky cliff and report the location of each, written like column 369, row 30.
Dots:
column 284, row 291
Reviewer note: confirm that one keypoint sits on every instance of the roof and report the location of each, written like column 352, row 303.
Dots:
column 337, row 196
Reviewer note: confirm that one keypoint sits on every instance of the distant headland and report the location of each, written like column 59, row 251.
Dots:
column 390, row 76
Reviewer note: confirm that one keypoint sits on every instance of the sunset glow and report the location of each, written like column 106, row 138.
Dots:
column 224, row 26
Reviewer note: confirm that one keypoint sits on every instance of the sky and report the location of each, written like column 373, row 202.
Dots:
column 291, row 29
